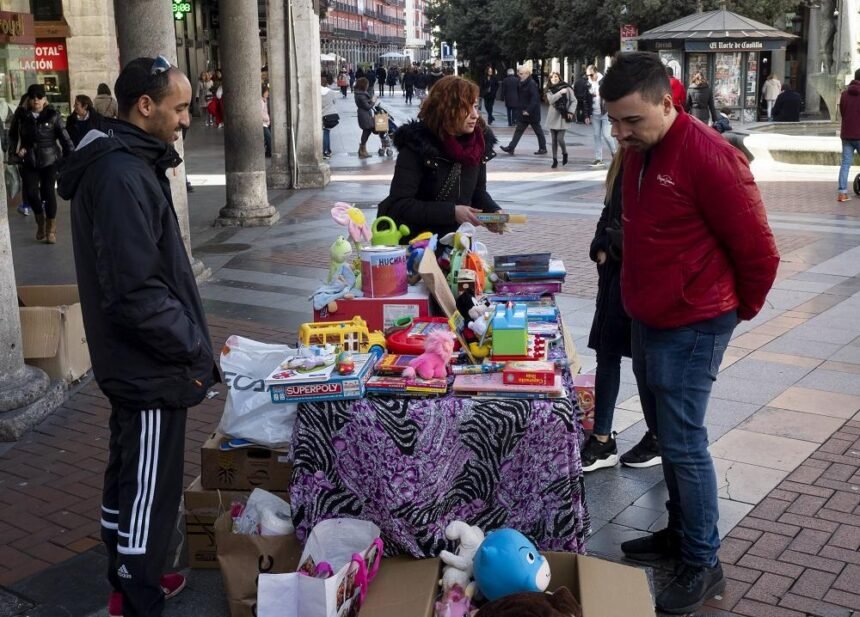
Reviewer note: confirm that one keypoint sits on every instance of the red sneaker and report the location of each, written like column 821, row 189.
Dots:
column 171, row 585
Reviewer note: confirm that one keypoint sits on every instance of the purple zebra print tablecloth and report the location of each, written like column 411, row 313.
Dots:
column 413, row 465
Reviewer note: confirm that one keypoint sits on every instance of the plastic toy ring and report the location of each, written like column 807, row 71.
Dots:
column 403, row 322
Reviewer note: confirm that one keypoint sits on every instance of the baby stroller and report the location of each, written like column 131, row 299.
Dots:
column 384, row 126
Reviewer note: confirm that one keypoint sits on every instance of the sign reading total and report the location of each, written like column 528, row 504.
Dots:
column 50, row 57
column 180, row 9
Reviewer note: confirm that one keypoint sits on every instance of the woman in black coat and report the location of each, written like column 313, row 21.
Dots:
column 440, row 179
column 700, row 100
column 364, row 102
column 489, row 87
column 83, row 119
column 38, row 141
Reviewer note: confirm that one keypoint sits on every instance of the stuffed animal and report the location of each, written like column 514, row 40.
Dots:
column 458, row 568
column 507, row 562
column 533, row 604
column 438, row 347
column 340, row 253
column 455, row 602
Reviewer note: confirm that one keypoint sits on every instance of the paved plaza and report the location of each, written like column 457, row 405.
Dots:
column 783, row 423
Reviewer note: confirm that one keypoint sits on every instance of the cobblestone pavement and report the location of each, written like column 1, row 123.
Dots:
column 783, row 422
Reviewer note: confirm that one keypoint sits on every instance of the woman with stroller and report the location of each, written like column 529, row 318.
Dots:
column 440, row 179
column 365, row 101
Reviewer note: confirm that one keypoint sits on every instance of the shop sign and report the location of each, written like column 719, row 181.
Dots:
column 50, row 57
column 180, row 9
column 657, row 45
column 629, row 32
column 16, row 28
column 737, row 45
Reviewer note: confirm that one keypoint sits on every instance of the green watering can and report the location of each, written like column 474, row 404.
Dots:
column 385, row 232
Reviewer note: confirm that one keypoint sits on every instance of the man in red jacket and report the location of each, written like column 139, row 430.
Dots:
column 849, row 107
column 679, row 92
column 699, row 256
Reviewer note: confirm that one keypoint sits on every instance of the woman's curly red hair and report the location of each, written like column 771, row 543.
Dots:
column 448, row 103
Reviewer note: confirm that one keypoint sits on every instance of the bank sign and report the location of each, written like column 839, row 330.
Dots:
column 50, row 58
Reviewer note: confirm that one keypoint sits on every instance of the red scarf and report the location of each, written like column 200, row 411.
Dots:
column 468, row 150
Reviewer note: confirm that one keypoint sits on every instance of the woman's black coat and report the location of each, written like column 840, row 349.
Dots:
column 700, row 103
column 364, row 104
column 610, row 330
column 39, row 136
column 421, row 171
column 77, row 128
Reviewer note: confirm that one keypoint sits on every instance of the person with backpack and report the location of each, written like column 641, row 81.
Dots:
column 560, row 97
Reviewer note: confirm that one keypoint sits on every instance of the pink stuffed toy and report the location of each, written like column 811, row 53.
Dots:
column 454, row 603
column 437, row 354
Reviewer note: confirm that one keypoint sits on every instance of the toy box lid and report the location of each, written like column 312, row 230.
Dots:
column 510, row 318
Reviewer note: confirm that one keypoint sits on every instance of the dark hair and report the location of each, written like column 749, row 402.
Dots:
column 137, row 80
column 362, row 84
column 103, row 89
column 636, row 71
column 85, row 101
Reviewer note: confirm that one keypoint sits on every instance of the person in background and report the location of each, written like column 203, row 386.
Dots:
column 216, row 105
column 342, row 82
column 679, row 93
column 849, row 108
column 510, row 95
column 39, row 141
column 104, row 102
column 144, row 321
column 351, row 78
column 421, row 82
column 267, row 121
column 700, row 100
column 699, row 257
column 724, row 122
column 770, row 92
column 451, row 189
column 203, row 96
column 408, row 84
column 329, row 114
column 83, row 118
column 370, row 74
column 489, row 87
column 392, row 79
column 381, row 75
column 364, row 102
column 560, row 97
column 529, row 98
column 787, row 105
column 581, row 91
column 597, row 117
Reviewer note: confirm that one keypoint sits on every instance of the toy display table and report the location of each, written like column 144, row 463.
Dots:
column 413, row 465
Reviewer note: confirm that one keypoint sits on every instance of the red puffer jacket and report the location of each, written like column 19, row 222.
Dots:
column 696, row 238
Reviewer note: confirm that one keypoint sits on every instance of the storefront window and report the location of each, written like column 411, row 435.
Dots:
column 696, row 63
column 672, row 59
column 46, row 10
column 751, row 104
column 727, row 79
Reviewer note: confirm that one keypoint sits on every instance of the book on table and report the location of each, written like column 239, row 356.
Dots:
column 410, row 386
column 493, row 385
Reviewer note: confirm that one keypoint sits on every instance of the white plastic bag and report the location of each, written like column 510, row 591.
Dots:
column 340, row 559
column 249, row 412
column 265, row 514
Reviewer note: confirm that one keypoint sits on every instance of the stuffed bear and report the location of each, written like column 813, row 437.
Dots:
column 458, row 568
column 438, row 347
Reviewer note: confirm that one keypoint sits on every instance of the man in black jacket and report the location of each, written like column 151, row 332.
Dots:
column 529, row 98
column 147, row 333
column 787, row 105
column 510, row 95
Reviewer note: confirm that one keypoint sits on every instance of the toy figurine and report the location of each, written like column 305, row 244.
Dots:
column 454, row 603
column 345, row 364
column 437, row 355
column 507, row 562
column 343, row 285
column 340, row 253
column 356, row 224
column 385, row 232
column 458, row 568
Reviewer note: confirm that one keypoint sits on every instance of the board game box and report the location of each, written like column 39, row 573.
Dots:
column 335, row 388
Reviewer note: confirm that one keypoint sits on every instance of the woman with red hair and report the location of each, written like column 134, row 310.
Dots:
column 440, row 179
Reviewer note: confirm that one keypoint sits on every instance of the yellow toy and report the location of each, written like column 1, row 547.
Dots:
column 350, row 335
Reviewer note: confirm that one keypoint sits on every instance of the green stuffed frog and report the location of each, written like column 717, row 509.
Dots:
column 339, row 252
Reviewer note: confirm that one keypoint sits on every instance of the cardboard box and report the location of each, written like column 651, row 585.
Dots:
column 52, row 329
column 380, row 313
column 244, row 469
column 403, row 587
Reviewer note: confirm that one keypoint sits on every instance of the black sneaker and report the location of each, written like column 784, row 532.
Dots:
column 663, row 544
column 597, row 455
column 646, row 453
column 507, row 149
column 690, row 588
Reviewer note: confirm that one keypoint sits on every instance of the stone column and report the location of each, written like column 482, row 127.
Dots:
column 92, row 49
column 813, row 62
column 303, row 44
column 244, row 160
column 145, row 28
column 279, row 174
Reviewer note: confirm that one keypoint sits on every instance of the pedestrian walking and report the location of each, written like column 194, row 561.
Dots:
column 351, row 78
column 104, row 102
column 699, row 257
column 144, row 322
column 381, row 76
column 267, row 121
column 489, row 88
column 392, row 78
column 769, row 92
column 679, row 93
column 409, row 84
column 510, row 95
column 581, row 91
column 38, row 142
column 560, row 97
column 83, row 118
column 365, row 102
column 700, row 100
column 343, row 82
column 597, row 118
column 204, row 96
column 371, row 79
column 849, row 107
column 787, row 106
column 421, row 81
column 529, row 100
column 330, row 117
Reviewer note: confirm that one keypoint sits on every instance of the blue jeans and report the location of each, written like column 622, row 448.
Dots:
column 326, row 141
column 607, row 382
column 849, row 146
column 602, row 132
column 676, row 369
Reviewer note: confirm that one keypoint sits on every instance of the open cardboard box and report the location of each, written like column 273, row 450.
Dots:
column 52, row 329
column 407, row 587
column 244, row 469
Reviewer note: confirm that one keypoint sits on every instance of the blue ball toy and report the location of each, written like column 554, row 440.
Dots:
column 507, row 562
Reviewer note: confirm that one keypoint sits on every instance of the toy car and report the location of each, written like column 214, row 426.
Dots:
column 350, row 335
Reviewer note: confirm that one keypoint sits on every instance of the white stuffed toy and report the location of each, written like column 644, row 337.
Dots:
column 458, row 568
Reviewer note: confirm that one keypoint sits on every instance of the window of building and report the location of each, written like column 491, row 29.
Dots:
column 47, row 10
